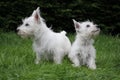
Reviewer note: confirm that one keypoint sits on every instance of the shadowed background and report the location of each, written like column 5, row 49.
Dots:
column 59, row 13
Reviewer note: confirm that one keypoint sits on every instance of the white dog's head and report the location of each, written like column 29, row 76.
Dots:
column 30, row 24
column 86, row 29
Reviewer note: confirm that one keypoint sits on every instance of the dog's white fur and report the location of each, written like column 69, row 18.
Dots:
column 46, row 43
column 83, row 51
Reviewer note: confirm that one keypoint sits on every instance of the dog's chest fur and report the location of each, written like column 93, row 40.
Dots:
column 84, row 48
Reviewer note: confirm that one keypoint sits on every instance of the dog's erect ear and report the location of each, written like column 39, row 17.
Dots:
column 33, row 13
column 38, row 9
column 76, row 24
column 36, row 15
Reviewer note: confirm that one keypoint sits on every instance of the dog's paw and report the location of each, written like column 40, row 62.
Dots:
column 75, row 65
column 93, row 67
column 36, row 62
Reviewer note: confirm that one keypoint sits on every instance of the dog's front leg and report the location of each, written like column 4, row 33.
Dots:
column 76, row 62
column 38, row 57
column 91, row 59
column 91, row 63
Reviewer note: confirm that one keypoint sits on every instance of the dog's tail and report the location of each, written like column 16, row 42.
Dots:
column 63, row 33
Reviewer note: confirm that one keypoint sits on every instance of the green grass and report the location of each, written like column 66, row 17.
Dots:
column 17, row 61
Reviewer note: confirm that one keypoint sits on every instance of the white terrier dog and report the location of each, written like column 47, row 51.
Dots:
column 46, row 43
column 83, row 51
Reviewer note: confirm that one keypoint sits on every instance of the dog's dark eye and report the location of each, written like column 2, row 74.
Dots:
column 26, row 24
column 87, row 25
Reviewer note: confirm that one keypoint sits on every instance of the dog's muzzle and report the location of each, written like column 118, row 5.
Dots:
column 97, row 30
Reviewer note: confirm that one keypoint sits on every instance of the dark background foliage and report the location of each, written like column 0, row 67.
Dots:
column 59, row 13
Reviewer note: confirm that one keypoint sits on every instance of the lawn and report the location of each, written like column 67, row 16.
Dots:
column 17, row 61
